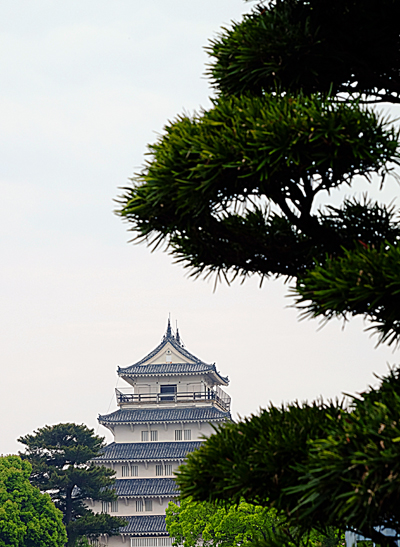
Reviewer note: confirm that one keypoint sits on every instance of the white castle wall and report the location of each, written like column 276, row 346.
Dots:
column 127, row 507
column 145, row 470
column 165, row 432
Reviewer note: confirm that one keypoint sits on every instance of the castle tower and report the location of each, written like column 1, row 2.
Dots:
column 172, row 401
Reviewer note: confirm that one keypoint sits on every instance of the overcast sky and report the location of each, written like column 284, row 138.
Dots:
column 84, row 87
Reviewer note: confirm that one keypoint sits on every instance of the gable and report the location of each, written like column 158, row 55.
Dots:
column 168, row 354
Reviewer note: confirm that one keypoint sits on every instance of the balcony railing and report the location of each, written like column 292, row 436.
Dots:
column 222, row 399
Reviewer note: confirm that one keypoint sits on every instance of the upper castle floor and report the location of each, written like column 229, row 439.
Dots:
column 170, row 376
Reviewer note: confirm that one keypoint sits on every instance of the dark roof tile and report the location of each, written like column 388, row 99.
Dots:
column 145, row 487
column 168, row 368
column 147, row 451
column 162, row 415
column 145, row 525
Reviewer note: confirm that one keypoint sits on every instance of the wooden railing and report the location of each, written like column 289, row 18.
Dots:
column 222, row 399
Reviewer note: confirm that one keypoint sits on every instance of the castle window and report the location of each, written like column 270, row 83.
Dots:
column 178, row 434
column 151, row 542
column 148, row 505
column 125, row 470
column 139, row 506
column 168, row 469
column 154, row 435
column 134, row 470
column 105, row 506
column 168, row 392
column 114, row 506
column 145, row 436
column 159, row 470
column 187, row 434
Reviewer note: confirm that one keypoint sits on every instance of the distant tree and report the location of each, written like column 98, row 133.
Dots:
column 195, row 524
column 233, row 190
column 192, row 524
column 28, row 518
column 321, row 465
column 61, row 456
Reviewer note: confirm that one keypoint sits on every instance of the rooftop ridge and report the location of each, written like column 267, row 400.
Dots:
column 150, row 451
column 166, row 367
column 163, row 415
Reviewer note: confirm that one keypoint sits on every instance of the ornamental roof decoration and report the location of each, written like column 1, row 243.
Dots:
column 164, row 415
column 145, row 488
column 190, row 364
column 155, row 451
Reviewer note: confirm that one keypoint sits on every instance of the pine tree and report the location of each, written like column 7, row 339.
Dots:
column 321, row 465
column 61, row 456
column 231, row 191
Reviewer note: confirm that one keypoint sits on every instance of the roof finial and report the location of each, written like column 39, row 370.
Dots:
column 177, row 337
column 168, row 334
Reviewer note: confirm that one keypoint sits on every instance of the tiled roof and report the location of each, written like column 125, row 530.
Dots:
column 145, row 487
column 147, row 451
column 145, row 525
column 162, row 415
column 196, row 366
column 167, row 368
column 168, row 337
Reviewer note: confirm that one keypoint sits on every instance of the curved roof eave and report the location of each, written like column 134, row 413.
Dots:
column 147, row 451
column 146, row 525
column 129, row 422
column 166, row 415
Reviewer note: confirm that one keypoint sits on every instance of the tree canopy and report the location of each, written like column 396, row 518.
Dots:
column 28, row 518
column 244, row 188
column 233, row 190
column 320, row 464
column 193, row 524
column 61, row 456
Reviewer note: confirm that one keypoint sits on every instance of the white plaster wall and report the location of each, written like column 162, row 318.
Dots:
column 166, row 432
column 174, row 356
column 184, row 384
column 144, row 388
column 115, row 540
column 127, row 507
column 144, row 472
column 151, row 469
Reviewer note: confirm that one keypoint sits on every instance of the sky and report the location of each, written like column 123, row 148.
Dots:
column 85, row 86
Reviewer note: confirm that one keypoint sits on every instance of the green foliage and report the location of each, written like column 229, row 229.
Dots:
column 204, row 169
column 313, row 46
column 271, row 146
column 91, row 525
column 193, row 524
column 231, row 191
column 27, row 517
column 352, row 473
column 254, row 459
column 363, row 281
column 258, row 146
column 61, row 456
column 320, row 465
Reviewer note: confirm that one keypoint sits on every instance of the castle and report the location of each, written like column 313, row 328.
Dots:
column 173, row 400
